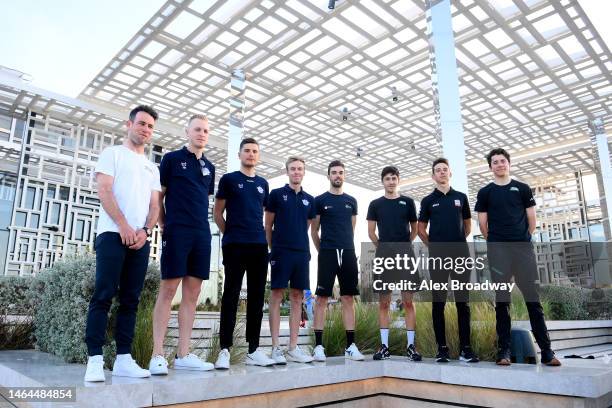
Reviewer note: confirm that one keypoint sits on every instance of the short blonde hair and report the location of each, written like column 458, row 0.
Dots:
column 196, row 116
column 291, row 159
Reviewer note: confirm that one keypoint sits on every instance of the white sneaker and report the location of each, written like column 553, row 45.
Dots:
column 318, row 353
column 158, row 365
column 192, row 362
column 277, row 356
column 223, row 361
column 259, row 358
column 353, row 353
column 95, row 369
column 299, row 356
column 125, row 366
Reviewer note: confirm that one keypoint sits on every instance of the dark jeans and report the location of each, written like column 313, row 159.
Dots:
column 462, row 297
column 118, row 269
column 516, row 259
column 238, row 258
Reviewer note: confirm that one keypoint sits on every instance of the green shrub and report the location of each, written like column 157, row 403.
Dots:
column 566, row 303
column 15, row 295
column 16, row 310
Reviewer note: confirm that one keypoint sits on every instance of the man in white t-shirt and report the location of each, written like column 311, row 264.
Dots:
column 128, row 187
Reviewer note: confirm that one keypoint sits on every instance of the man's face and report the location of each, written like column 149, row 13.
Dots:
column 500, row 166
column 197, row 133
column 295, row 171
column 336, row 176
column 390, row 182
column 441, row 173
column 249, row 155
column 140, row 130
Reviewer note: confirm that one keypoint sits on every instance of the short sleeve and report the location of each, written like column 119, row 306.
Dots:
column 527, row 196
column 318, row 205
column 266, row 194
column 424, row 214
column 164, row 170
column 155, row 185
column 371, row 216
column 223, row 190
column 272, row 202
column 354, row 207
column 106, row 162
column 211, row 186
column 466, row 208
column 482, row 201
column 412, row 216
column 312, row 211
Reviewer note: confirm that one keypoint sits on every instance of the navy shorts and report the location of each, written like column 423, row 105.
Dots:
column 288, row 265
column 341, row 263
column 185, row 251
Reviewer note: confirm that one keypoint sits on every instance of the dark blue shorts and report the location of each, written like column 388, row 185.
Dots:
column 288, row 265
column 185, row 251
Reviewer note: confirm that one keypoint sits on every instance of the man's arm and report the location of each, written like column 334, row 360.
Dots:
column 413, row 230
column 531, row 218
column 422, row 231
column 354, row 222
column 269, row 222
column 483, row 218
column 372, row 232
column 161, row 219
column 314, row 232
column 467, row 226
column 218, row 214
column 109, row 203
column 154, row 208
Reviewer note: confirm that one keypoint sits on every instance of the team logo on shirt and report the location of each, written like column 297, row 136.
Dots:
column 326, row 207
column 261, row 190
column 402, row 202
column 435, row 205
column 285, row 197
column 457, row 203
column 348, row 206
column 250, row 181
column 205, row 171
column 514, row 189
column 240, row 185
column 305, row 202
column 184, row 165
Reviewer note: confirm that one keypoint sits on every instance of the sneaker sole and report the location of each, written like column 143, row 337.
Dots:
column 381, row 358
column 468, row 360
column 192, row 368
column 354, row 359
column 503, row 362
column 95, row 379
column 131, row 376
column 280, row 363
column 320, row 360
column 260, row 365
column 442, row 360
column 159, row 372
column 553, row 363
column 221, row 368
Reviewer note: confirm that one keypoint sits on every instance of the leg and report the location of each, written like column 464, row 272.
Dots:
column 295, row 296
column 384, row 303
column 438, row 305
column 234, row 271
column 319, row 312
column 276, row 297
column 348, row 312
column 257, row 271
column 500, row 267
column 110, row 255
column 409, row 310
column 190, row 294
column 161, row 313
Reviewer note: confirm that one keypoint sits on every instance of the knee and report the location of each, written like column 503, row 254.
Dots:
column 384, row 304
column 166, row 294
column 321, row 301
column 347, row 300
column 408, row 305
column 295, row 297
column 191, row 294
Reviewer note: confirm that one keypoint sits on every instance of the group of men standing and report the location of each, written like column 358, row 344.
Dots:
column 135, row 196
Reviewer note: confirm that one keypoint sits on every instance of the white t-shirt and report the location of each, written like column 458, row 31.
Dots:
column 135, row 177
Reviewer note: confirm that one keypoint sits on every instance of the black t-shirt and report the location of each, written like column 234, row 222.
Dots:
column 336, row 213
column 505, row 207
column 445, row 214
column 392, row 217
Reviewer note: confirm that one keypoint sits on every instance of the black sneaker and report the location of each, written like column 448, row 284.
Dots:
column 413, row 354
column 382, row 353
column 468, row 355
column 548, row 358
column 503, row 357
column 443, row 356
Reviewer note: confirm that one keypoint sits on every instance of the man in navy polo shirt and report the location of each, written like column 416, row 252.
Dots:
column 242, row 195
column 396, row 219
column 289, row 213
column 447, row 212
column 506, row 214
column 187, row 179
column 336, row 216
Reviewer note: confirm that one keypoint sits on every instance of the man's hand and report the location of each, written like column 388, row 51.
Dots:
column 141, row 239
column 128, row 235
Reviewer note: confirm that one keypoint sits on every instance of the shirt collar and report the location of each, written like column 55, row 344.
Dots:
column 438, row 193
column 288, row 187
column 187, row 153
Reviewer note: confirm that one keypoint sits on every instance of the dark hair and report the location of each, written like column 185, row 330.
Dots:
column 247, row 140
column 438, row 161
column 495, row 152
column 334, row 163
column 143, row 108
column 389, row 170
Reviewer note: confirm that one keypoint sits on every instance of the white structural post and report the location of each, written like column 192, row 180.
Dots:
column 603, row 172
column 236, row 118
column 447, row 106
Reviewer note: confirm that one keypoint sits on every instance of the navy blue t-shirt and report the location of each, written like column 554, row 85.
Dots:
column 505, row 207
column 393, row 217
column 445, row 214
column 245, row 198
column 291, row 214
column 336, row 213
column 188, row 183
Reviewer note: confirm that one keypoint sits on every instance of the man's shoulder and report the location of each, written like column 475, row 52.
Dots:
column 486, row 188
column 520, row 185
column 427, row 199
column 349, row 197
column 322, row 196
column 407, row 198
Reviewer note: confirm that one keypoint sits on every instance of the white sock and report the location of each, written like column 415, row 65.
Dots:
column 384, row 337
column 410, row 335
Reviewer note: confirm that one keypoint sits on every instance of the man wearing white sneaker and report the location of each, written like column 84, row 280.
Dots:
column 288, row 216
column 188, row 179
column 242, row 196
column 336, row 216
column 128, row 187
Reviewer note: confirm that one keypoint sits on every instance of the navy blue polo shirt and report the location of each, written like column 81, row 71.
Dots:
column 291, row 214
column 188, row 184
column 445, row 214
column 393, row 217
column 336, row 213
column 505, row 207
column 245, row 198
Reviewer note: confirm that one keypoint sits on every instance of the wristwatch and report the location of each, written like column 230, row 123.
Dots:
column 147, row 231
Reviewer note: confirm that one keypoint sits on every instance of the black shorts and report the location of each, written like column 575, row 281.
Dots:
column 404, row 273
column 341, row 263
column 185, row 251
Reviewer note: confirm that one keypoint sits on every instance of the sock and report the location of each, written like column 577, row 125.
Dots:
column 252, row 348
column 350, row 337
column 318, row 337
column 410, row 336
column 384, row 336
